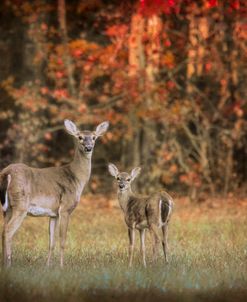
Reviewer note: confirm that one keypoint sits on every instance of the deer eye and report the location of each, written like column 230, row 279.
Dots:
column 80, row 137
column 118, row 178
column 128, row 179
column 94, row 138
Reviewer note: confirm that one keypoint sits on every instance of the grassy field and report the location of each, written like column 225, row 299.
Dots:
column 208, row 258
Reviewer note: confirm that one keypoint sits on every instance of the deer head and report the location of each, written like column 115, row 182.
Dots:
column 85, row 139
column 124, row 179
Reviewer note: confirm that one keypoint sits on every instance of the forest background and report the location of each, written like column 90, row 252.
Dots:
column 169, row 75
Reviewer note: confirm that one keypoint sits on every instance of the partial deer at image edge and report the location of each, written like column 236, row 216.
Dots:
column 53, row 192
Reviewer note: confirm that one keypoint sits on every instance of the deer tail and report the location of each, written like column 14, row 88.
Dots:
column 166, row 207
column 4, row 185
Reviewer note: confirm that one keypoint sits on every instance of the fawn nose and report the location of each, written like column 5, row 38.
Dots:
column 88, row 149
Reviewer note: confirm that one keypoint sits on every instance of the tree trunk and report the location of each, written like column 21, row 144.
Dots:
column 66, row 54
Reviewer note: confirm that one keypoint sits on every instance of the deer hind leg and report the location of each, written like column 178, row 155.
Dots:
column 131, row 233
column 164, row 240
column 52, row 238
column 156, row 240
column 63, row 224
column 143, row 250
column 11, row 225
column 7, row 216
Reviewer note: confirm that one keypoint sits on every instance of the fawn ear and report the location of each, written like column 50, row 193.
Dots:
column 113, row 170
column 102, row 128
column 135, row 172
column 71, row 128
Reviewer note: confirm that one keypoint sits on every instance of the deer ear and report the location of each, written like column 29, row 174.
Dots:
column 135, row 172
column 101, row 128
column 113, row 170
column 71, row 127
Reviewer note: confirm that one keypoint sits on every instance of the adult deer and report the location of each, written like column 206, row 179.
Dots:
column 142, row 212
column 52, row 192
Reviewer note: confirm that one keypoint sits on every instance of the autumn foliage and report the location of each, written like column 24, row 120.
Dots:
column 167, row 74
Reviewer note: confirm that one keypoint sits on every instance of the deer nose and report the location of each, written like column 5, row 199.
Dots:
column 88, row 149
column 121, row 186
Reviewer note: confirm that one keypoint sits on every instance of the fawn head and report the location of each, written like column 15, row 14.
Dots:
column 124, row 179
column 85, row 139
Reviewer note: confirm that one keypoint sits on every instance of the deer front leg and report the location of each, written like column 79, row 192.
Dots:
column 63, row 221
column 11, row 225
column 52, row 238
column 143, row 250
column 131, row 233
column 164, row 241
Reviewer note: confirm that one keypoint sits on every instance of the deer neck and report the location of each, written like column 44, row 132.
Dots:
column 81, row 165
column 123, row 198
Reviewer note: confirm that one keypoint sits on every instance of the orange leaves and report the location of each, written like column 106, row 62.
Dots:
column 238, row 110
column 117, row 30
column 113, row 117
column 82, row 108
column 44, row 27
column 191, row 178
column 173, row 169
column 168, row 59
column 44, row 90
column 80, row 47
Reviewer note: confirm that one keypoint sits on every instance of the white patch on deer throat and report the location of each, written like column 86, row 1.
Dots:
column 6, row 203
column 79, row 192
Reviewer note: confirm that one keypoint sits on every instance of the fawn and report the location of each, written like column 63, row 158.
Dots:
column 143, row 212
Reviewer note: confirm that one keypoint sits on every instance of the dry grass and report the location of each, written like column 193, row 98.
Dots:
column 208, row 258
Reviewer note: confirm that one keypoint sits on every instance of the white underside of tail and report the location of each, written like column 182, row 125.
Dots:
column 162, row 223
column 6, row 204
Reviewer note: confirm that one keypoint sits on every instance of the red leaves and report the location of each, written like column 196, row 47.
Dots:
column 235, row 4
column 167, row 43
column 212, row 3
column 44, row 90
column 208, row 66
column 77, row 53
column 151, row 7
column 60, row 74
column 60, row 93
